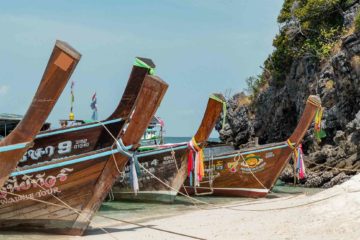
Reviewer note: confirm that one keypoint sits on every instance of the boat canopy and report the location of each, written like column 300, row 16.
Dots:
column 8, row 122
column 156, row 122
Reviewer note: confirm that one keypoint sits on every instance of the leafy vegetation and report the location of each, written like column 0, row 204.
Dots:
column 357, row 22
column 308, row 27
column 254, row 85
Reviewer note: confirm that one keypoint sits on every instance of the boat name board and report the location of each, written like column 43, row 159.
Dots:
column 64, row 147
column 151, row 166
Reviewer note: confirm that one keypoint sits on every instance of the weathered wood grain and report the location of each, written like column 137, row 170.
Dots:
column 169, row 164
column 78, row 188
column 231, row 176
column 61, row 65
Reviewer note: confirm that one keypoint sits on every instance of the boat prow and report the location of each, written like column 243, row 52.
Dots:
column 81, row 138
column 251, row 172
column 61, row 65
column 137, row 76
column 166, row 166
column 62, row 196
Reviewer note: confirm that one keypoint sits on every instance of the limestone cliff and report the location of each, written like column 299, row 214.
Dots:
column 331, row 71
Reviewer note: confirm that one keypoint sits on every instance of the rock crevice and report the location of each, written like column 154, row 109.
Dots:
column 273, row 115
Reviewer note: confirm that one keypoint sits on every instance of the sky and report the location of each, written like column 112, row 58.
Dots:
column 199, row 47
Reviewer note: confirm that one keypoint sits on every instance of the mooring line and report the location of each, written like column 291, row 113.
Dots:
column 194, row 200
column 67, row 206
column 153, row 228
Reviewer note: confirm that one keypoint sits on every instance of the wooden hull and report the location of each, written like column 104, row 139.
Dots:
column 72, row 183
column 228, row 192
column 67, row 142
column 251, row 172
column 60, row 67
column 75, row 140
column 167, row 165
column 234, row 178
column 61, row 196
column 170, row 169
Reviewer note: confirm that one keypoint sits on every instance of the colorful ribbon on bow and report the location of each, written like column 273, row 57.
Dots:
column 300, row 166
column 318, row 132
column 298, row 157
column 72, row 100
column 195, row 163
column 139, row 63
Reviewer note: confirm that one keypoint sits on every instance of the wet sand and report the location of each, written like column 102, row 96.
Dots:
column 329, row 214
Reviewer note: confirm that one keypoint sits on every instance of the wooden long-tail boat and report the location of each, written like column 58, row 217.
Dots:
column 251, row 172
column 166, row 164
column 62, row 195
column 74, row 140
column 61, row 65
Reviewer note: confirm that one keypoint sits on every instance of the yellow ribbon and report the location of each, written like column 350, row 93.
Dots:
column 290, row 144
column 200, row 151
column 318, row 117
column 317, row 126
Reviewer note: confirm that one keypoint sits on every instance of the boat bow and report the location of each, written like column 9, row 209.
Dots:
column 148, row 101
column 61, row 65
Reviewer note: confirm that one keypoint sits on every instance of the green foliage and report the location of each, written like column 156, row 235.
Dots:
column 254, row 85
column 321, row 45
column 309, row 27
column 357, row 22
column 279, row 63
column 285, row 12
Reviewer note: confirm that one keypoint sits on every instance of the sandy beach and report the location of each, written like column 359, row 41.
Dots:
column 330, row 214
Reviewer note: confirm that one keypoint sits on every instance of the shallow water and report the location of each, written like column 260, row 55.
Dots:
column 125, row 212
column 131, row 212
column 140, row 211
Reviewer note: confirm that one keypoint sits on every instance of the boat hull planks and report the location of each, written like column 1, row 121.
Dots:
column 74, row 140
column 250, row 172
column 60, row 67
column 170, row 166
column 61, row 196
column 167, row 165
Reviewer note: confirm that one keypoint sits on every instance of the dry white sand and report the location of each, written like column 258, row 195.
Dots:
column 330, row 214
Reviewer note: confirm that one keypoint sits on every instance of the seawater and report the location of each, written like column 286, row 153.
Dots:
column 140, row 211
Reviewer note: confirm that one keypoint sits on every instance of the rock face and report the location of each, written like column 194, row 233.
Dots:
column 275, row 112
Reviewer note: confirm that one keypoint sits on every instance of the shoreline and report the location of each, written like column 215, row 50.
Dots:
column 332, row 214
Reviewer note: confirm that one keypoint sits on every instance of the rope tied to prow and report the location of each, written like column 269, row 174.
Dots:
column 195, row 163
column 134, row 164
column 224, row 110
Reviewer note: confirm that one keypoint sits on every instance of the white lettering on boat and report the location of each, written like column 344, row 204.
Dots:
column 62, row 148
column 151, row 165
column 82, row 143
column 12, row 185
column 38, row 194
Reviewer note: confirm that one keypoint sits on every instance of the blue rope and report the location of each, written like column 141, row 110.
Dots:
column 134, row 164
